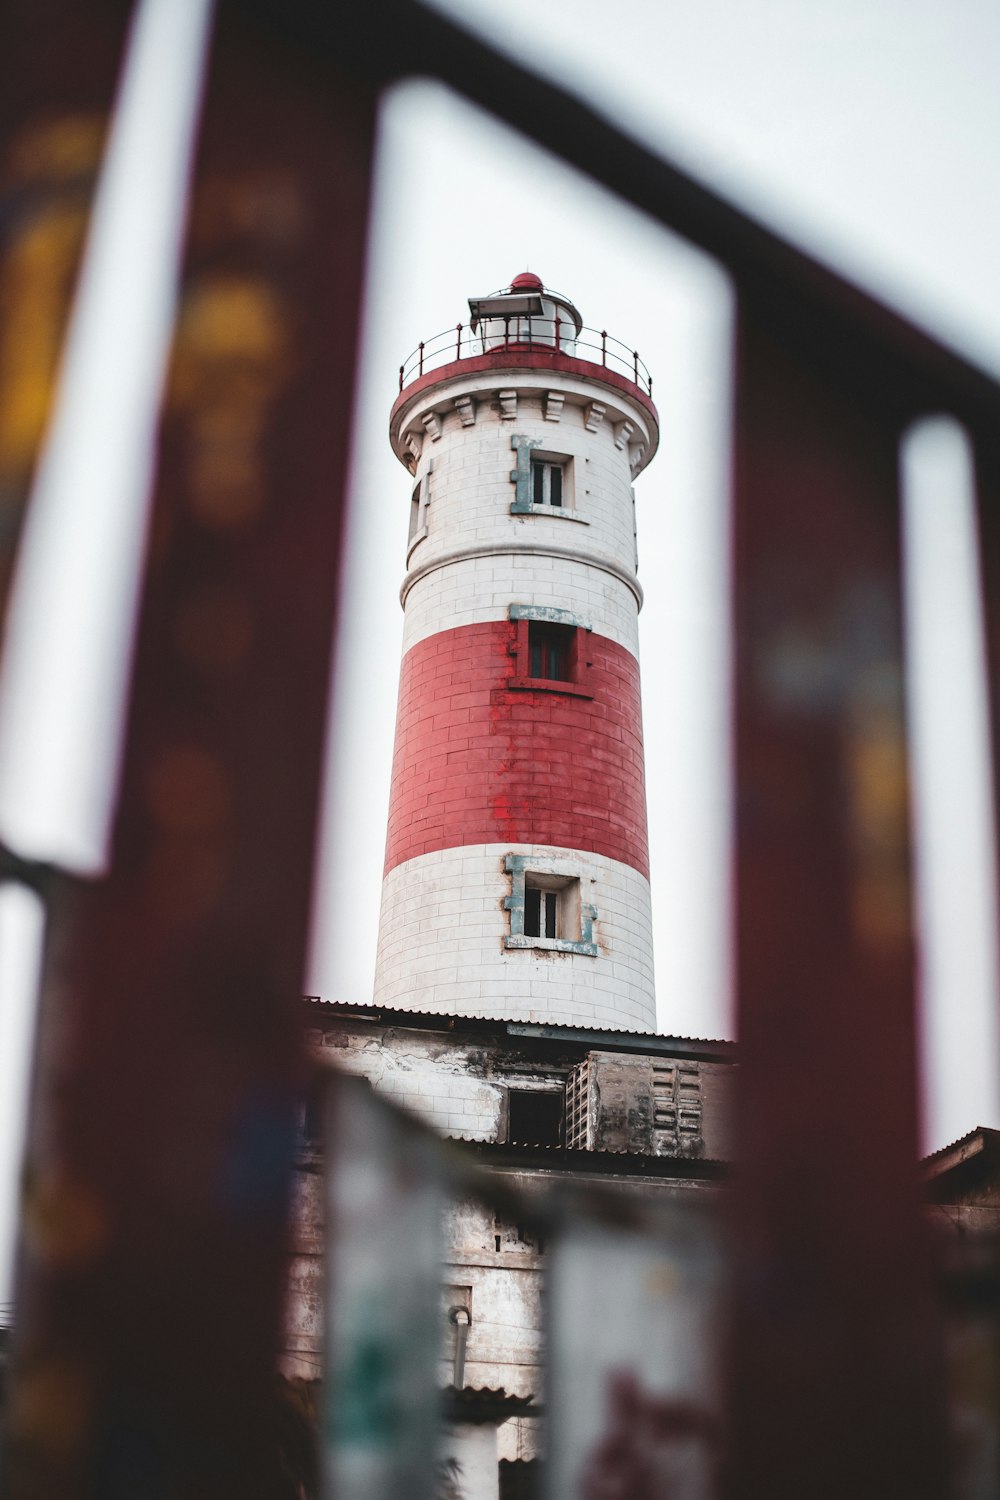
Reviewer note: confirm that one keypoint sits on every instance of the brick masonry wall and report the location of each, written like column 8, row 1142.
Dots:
column 477, row 762
column 441, row 946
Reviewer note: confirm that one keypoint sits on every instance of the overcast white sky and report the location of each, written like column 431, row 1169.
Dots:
column 869, row 133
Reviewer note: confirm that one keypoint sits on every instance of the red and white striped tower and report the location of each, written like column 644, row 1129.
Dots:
column 516, row 874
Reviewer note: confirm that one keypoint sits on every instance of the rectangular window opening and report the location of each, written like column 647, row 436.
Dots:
column 414, row 512
column 550, row 650
column 539, row 912
column 547, row 908
column 534, row 1117
column 551, row 907
column 546, row 483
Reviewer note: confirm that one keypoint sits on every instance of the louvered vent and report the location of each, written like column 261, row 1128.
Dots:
column 676, row 1108
column 619, row 1102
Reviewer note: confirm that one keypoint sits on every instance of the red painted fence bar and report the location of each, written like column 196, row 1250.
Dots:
column 988, row 488
column 834, row 1383
column 161, row 1144
column 163, row 1128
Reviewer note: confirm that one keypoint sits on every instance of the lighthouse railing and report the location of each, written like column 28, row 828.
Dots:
column 518, row 334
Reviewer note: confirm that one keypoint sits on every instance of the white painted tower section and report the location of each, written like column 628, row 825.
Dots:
column 516, row 877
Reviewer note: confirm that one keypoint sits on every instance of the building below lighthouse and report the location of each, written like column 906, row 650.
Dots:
column 517, row 866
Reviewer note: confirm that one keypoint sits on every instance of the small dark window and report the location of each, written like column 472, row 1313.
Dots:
column 546, row 483
column 313, row 1116
column 549, row 648
column 539, row 912
column 534, row 1117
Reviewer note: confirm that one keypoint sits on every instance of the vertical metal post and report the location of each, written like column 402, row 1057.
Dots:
column 163, row 1128
column 987, row 465
column 458, row 341
column 604, row 346
column 834, row 1373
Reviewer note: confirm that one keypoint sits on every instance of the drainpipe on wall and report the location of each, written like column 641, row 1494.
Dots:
column 461, row 1318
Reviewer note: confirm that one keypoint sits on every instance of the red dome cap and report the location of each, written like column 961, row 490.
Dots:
column 527, row 282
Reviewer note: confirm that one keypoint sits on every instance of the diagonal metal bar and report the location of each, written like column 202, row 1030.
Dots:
column 820, row 310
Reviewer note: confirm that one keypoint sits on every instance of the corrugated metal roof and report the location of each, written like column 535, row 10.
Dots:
column 497, row 1391
column 377, row 1013
column 970, row 1144
column 582, row 1155
column 485, row 1403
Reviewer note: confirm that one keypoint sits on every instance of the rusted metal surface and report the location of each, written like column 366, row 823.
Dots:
column 834, row 1386
column 150, row 1276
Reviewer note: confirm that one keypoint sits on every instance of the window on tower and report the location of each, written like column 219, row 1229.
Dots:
column 543, row 482
column 547, row 906
column 418, row 516
column 547, row 482
column 551, row 648
column 540, row 911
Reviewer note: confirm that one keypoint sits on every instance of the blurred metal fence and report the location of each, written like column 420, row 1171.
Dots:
column 170, row 1059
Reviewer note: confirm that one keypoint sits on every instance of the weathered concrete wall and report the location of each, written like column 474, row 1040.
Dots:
column 503, row 1290
column 651, row 1105
column 455, row 1085
column 458, row 1082
column 494, row 1269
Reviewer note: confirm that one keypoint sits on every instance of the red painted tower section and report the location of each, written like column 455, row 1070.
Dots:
column 480, row 759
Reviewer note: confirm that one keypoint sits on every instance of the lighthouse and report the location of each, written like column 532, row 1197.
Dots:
column 516, row 878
